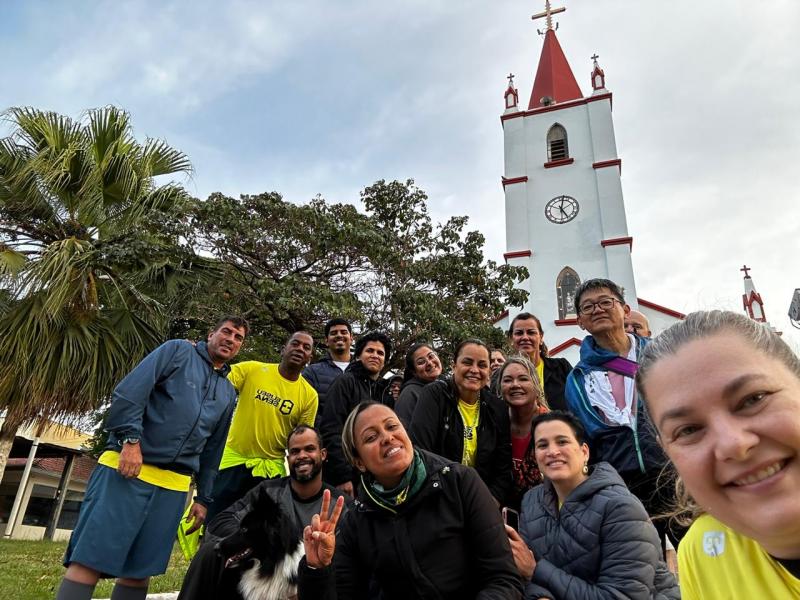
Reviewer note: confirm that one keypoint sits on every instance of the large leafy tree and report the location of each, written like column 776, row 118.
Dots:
column 290, row 266
column 88, row 258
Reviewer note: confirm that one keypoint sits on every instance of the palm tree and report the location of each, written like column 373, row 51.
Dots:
column 86, row 261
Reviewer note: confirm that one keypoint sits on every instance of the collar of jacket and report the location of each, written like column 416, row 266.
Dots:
column 593, row 356
column 202, row 349
column 601, row 476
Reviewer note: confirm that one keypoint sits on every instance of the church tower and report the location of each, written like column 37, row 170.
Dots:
column 565, row 215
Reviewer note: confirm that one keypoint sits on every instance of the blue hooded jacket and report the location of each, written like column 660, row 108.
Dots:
column 628, row 449
column 179, row 407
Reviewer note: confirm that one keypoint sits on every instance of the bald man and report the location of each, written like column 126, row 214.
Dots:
column 636, row 322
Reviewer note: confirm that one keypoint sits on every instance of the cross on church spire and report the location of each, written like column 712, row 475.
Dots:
column 594, row 57
column 746, row 270
column 510, row 80
column 548, row 16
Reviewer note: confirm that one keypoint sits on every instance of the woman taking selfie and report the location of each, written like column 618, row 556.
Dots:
column 422, row 367
column 463, row 421
column 724, row 394
column 520, row 390
column 584, row 535
column 422, row 526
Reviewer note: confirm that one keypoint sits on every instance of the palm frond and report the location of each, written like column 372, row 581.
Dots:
column 162, row 159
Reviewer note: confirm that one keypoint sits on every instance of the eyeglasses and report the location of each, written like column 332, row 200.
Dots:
column 587, row 308
column 423, row 360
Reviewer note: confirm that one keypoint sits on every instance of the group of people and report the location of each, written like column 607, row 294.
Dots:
column 512, row 475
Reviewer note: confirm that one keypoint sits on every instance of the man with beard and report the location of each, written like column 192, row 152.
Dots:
column 322, row 374
column 273, row 400
column 299, row 495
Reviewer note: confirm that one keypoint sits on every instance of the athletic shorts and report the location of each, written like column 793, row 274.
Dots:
column 126, row 527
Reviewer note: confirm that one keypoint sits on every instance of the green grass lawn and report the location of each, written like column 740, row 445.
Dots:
column 32, row 571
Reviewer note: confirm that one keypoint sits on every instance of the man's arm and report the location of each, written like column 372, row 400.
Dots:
column 130, row 397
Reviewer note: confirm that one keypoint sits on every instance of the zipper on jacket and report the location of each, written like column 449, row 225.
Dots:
column 199, row 414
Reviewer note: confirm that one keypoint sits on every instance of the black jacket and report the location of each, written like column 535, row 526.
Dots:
column 407, row 401
column 446, row 543
column 321, row 376
column 555, row 378
column 436, row 426
column 347, row 392
column 600, row 545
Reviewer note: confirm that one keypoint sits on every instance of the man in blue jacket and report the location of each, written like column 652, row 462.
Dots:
column 601, row 392
column 322, row 374
column 167, row 423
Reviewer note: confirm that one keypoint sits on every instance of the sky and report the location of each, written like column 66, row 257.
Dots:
column 307, row 97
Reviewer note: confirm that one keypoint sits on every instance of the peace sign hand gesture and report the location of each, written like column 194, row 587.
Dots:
column 319, row 538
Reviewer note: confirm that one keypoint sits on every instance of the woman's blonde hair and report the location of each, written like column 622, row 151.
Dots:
column 700, row 325
column 526, row 363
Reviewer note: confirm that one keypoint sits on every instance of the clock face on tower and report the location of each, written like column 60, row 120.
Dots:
column 561, row 209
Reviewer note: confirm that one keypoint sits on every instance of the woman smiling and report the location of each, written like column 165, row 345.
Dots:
column 724, row 393
column 522, row 393
column 584, row 535
column 422, row 526
column 422, row 367
column 463, row 421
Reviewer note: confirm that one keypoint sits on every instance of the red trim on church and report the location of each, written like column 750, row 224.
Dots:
column 517, row 254
column 502, row 315
column 564, row 322
column 662, row 309
column 559, row 163
column 618, row 242
column 615, row 162
column 569, row 104
column 570, row 342
column 512, row 180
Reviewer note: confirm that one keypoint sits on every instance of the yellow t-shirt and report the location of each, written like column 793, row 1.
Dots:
column 269, row 407
column 470, row 415
column 540, row 374
column 716, row 562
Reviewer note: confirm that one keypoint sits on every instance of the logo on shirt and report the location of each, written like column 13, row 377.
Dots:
column 714, row 543
column 284, row 406
column 469, row 432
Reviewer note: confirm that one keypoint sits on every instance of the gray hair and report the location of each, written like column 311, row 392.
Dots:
column 526, row 363
column 697, row 326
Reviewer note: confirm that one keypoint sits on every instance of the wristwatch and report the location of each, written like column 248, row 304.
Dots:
column 130, row 440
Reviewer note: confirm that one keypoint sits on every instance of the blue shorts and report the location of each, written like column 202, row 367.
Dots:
column 126, row 527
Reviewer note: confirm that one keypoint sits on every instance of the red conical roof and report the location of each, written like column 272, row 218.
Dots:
column 554, row 78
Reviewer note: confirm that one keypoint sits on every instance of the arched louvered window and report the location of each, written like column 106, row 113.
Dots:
column 566, row 285
column 557, row 147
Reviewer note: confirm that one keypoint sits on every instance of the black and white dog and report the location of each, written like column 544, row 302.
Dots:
column 267, row 549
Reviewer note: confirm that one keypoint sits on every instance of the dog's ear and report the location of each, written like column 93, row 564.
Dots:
column 266, row 506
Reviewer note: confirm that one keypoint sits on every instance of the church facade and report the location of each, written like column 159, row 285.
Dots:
column 565, row 214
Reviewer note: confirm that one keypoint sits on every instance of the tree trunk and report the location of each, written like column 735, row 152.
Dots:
column 7, row 433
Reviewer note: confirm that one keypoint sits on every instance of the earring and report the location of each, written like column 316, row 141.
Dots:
column 585, row 468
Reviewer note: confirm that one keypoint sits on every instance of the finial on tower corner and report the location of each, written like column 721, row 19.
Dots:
column 548, row 16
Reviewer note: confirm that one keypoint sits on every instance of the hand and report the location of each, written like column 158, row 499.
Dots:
column 523, row 556
column 197, row 512
column 319, row 538
column 130, row 460
column 346, row 487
